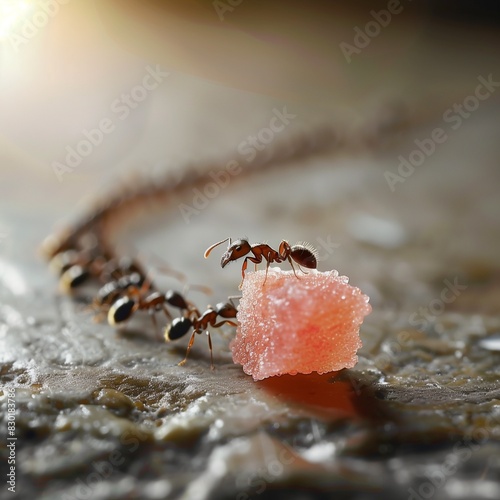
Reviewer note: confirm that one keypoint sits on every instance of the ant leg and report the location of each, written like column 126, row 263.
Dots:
column 166, row 269
column 98, row 312
column 191, row 342
column 231, row 297
column 291, row 263
column 146, row 285
column 201, row 288
column 243, row 269
column 155, row 325
column 90, row 308
column 211, row 350
column 255, row 260
column 267, row 269
column 167, row 312
column 302, row 270
column 99, row 317
column 225, row 322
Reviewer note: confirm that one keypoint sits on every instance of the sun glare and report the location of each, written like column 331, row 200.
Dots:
column 12, row 14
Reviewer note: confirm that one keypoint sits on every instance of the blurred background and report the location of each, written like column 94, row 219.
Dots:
column 405, row 197
column 71, row 68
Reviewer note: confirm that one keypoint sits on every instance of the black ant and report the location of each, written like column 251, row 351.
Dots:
column 122, row 309
column 76, row 267
column 180, row 326
column 302, row 253
column 133, row 300
column 112, row 290
column 124, row 273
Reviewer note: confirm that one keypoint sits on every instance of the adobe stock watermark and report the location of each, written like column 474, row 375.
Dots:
column 454, row 116
column 373, row 28
column 427, row 315
column 420, row 320
column 103, row 469
column 255, row 482
column 248, row 149
column 10, row 395
column 276, row 460
column 423, row 318
column 121, row 107
column 463, row 450
column 325, row 248
column 35, row 22
column 223, row 6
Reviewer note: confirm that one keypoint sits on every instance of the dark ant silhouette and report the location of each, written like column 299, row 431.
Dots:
column 302, row 253
column 113, row 290
column 125, row 306
column 128, row 298
column 180, row 326
column 77, row 267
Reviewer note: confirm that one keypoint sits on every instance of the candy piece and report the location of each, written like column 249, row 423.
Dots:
column 298, row 325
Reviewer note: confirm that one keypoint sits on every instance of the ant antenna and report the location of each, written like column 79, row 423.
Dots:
column 166, row 269
column 231, row 299
column 209, row 249
column 200, row 288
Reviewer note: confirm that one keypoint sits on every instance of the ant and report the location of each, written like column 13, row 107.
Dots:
column 134, row 299
column 302, row 253
column 76, row 267
column 112, row 290
column 122, row 309
column 124, row 273
column 180, row 326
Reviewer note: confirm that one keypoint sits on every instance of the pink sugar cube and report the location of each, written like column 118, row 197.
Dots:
column 298, row 325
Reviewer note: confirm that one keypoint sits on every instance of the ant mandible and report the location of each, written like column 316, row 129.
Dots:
column 180, row 326
column 302, row 253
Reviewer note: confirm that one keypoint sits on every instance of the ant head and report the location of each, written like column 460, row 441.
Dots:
column 284, row 247
column 236, row 250
column 175, row 299
column 178, row 328
column 226, row 310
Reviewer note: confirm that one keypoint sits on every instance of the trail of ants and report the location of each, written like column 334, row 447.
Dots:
column 125, row 288
column 82, row 253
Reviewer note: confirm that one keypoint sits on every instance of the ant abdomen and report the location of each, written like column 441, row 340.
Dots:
column 121, row 310
column 304, row 255
column 178, row 328
column 73, row 277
